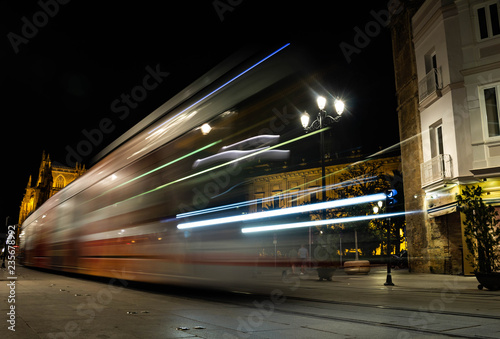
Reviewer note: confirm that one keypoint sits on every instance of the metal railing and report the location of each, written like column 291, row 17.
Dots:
column 437, row 169
column 431, row 83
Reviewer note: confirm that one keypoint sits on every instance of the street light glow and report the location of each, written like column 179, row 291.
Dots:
column 339, row 106
column 205, row 129
column 321, row 102
column 304, row 119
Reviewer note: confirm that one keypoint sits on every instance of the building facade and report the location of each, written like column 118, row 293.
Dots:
column 456, row 47
column 304, row 186
column 293, row 188
column 51, row 179
column 405, row 72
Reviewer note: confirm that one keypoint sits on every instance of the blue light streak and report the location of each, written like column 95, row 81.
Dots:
column 222, row 86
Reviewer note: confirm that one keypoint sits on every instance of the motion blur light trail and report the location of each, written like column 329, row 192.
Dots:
column 320, row 222
column 222, row 165
column 139, row 237
column 222, row 86
column 242, row 204
column 285, row 211
column 286, row 194
column 160, row 167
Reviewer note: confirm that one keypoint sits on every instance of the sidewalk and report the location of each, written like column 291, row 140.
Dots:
column 411, row 291
column 401, row 278
column 52, row 305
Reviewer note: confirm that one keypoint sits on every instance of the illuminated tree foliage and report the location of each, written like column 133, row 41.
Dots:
column 482, row 235
column 360, row 179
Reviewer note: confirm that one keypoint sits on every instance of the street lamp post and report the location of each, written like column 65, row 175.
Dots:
column 323, row 120
column 388, row 280
column 389, row 201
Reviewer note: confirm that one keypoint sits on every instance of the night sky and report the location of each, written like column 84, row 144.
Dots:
column 63, row 64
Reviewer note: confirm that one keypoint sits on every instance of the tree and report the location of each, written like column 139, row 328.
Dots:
column 366, row 178
column 482, row 235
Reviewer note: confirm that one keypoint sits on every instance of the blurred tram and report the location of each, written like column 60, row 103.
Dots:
column 133, row 215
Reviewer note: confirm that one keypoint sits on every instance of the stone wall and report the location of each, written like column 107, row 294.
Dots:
column 410, row 134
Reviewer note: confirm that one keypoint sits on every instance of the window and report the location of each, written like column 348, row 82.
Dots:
column 436, row 134
column 490, row 103
column 439, row 138
column 432, row 82
column 488, row 20
column 59, row 182
column 430, row 62
column 276, row 202
column 258, row 198
column 434, row 68
column 294, row 196
column 314, row 195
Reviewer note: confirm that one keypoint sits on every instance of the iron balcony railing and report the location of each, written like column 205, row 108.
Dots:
column 431, row 83
column 437, row 169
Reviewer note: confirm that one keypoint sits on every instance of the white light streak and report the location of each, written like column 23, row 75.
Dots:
column 284, row 211
column 291, row 193
column 319, row 222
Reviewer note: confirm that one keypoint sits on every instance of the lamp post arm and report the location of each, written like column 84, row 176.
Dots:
column 330, row 120
column 315, row 125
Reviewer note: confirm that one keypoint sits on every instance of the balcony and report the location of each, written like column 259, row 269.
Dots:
column 430, row 86
column 435, row 170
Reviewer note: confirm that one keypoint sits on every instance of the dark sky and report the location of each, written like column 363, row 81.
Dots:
column 64, row 63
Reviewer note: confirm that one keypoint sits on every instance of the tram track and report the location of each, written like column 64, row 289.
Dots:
column 248, row 301
column 380, row 324
column 395, row 308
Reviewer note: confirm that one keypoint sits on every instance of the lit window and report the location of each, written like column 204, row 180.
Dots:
column 59, row 182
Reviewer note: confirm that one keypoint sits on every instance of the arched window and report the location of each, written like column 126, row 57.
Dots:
column 59, row 182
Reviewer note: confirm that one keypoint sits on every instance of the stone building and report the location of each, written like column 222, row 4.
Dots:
column 409, row 128
column 287, row 188
column 447, row 66
column 52, row 177
column 304, row 186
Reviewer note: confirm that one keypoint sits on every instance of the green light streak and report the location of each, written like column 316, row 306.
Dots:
column 160, row 167
column 225, row 164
